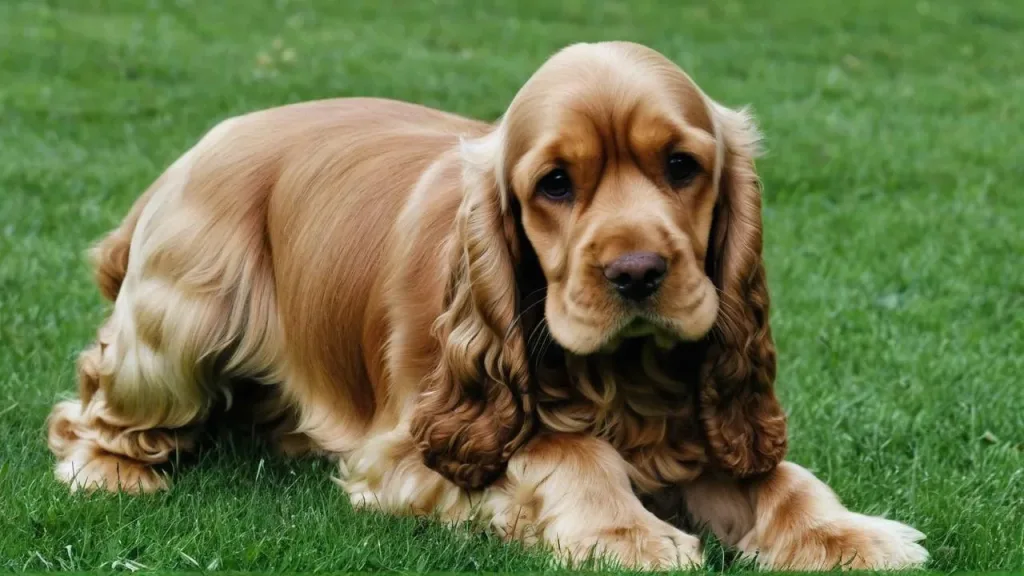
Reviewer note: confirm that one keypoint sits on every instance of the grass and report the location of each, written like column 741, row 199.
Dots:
column 894, row 245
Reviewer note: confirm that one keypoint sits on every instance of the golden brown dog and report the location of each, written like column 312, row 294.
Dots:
column 556, row 323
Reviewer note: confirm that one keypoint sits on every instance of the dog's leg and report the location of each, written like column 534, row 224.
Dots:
column 139, row 401
column 387, row 473
column 565, row 491
column 194, row 307
column 144, row 388
column 791, row 520
column 573, row 493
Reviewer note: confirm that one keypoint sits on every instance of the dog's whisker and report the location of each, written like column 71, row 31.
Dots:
column 519, row 317
column 539, row 330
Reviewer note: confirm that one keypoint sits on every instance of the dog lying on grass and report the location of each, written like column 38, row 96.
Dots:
column 556, row 323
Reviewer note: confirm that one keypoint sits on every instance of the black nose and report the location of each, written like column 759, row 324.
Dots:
column 636, row 275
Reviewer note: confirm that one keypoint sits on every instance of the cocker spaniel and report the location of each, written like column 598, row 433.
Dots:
column 556, row 324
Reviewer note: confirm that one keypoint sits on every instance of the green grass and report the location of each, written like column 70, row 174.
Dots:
column 894, row 242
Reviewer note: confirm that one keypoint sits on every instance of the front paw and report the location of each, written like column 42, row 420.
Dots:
column 651, row 545
column 852, row 541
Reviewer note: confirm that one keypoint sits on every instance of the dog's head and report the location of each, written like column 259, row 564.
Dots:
column 636, row 197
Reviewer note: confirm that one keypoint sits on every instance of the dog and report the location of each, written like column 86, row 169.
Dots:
column 556, row 324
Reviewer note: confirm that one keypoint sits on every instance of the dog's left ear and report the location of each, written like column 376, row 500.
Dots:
column 476, row 410
column 743, row 421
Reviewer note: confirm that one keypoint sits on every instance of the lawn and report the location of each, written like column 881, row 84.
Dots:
column 894, row 242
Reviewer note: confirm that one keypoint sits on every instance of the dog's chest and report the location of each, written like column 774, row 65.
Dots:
column 650, row 418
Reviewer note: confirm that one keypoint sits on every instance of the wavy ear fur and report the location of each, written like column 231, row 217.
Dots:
column 743, row 421
column 476, row 407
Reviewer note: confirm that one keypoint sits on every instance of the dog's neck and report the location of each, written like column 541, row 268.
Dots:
column 641, row 398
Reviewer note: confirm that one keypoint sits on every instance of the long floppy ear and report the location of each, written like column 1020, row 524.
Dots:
column 476, row 409
column 743, row 421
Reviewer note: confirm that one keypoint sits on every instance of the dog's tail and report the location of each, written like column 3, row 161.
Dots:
column 109, row 256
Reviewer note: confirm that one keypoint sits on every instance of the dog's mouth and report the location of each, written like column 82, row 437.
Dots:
column 666, row 326
column 642, row 327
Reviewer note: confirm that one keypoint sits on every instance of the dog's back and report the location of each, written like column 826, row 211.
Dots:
column 219, row 272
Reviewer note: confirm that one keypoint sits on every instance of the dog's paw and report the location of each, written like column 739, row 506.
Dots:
column 885, row 544
column 652, row 545
column 88, row 469
column 852, row 541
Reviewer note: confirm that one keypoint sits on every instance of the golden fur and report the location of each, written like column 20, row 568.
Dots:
column 418, row 311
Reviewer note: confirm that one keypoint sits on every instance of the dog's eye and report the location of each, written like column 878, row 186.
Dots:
column 556, row 185
column 682, row 169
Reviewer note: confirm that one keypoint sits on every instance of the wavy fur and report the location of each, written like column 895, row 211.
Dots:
column 387, row 285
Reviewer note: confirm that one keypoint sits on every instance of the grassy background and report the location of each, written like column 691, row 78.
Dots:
column 894, row 241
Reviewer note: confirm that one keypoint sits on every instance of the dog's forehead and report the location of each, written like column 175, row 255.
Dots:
column 613, row 82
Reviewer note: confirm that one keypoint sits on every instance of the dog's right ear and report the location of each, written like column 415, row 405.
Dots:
column 744, row 423
column 475, row 410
